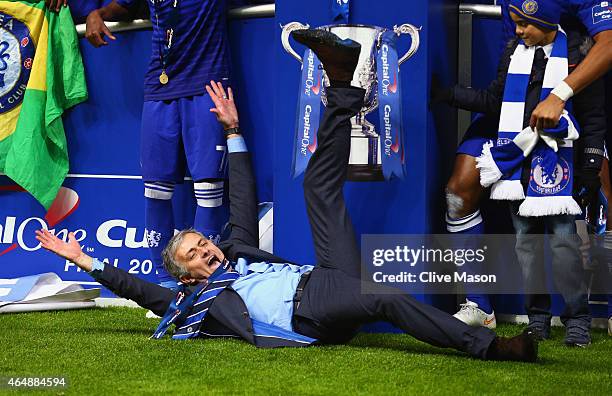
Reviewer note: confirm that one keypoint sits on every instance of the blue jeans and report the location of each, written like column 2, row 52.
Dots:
column 568, row 274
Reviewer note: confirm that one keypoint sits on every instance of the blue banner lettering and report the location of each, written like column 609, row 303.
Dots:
column 308, row 113
column 390, row 108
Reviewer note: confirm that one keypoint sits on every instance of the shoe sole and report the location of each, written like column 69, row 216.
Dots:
column 319, row 36
column 576, row 344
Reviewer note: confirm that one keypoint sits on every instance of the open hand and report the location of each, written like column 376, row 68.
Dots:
column 70, row 250
column 225, row 108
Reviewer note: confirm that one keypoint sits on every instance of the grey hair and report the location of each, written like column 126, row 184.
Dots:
column 172, row 265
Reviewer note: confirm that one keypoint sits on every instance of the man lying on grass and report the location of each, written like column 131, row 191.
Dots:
column 237, row 290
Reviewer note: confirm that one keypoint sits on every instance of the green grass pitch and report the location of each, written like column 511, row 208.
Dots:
column 108, row 352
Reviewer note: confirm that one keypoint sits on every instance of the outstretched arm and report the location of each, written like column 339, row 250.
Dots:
column 597, row 63
column 146, row 294
column 70, row 250
column 242, row 191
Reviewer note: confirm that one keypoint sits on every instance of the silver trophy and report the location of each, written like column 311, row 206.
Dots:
column 365, row 159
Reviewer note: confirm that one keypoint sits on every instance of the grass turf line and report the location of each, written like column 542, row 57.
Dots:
column 107, row 351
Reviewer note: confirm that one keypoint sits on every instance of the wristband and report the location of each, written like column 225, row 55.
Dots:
column 231, row 131
column 563, row 91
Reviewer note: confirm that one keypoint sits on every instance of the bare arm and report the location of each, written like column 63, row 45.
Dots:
column 597, row 63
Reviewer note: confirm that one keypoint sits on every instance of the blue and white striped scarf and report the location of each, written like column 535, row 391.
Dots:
column 550, row 182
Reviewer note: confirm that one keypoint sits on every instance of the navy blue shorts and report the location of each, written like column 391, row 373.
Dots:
column 482, row 130
column 181, row 132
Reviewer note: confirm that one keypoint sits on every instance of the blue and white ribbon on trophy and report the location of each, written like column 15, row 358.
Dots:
column 340, row 11
column 390, row 108
column 308, row 114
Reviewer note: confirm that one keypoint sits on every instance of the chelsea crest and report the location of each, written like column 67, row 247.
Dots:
column 549, row 183
column 530, row 7
column 16, row 58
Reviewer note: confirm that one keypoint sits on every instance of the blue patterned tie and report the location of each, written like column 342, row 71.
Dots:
column 192, row 323
column 188, row 312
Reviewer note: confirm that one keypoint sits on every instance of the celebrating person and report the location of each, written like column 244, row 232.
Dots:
column 239, row 290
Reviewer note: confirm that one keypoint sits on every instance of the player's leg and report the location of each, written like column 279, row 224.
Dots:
column 331, row 227
column 159, row 223
column 211, row 213
column 463, row 196
column 162, row 162
column 206, row 153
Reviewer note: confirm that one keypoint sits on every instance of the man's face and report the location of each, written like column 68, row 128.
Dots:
column 199, row 256
column 530, row 33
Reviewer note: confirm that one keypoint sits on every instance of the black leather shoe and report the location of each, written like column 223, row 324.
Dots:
column 521, row 348
column 339, row 57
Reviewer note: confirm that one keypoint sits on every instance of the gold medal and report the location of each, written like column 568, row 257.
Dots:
column 163, row 77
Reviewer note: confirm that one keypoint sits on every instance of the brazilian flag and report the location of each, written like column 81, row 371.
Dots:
column 41, row 75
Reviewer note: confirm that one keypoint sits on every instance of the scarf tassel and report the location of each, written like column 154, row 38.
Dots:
column 489, row 171
column 549, row 206
column 508, row 190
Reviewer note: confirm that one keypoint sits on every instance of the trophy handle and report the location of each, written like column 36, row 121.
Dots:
column 413, row 31
column 287, row 29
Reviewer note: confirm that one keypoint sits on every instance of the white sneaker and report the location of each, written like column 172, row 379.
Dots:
column 472, row 315
column 151, row 315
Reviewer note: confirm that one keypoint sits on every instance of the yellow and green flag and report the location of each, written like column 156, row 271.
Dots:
column 41, row 75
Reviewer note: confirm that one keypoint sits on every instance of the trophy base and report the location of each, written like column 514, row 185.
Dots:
column 364, row 161
column 364, row 173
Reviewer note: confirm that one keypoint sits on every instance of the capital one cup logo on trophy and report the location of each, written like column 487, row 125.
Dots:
column 376, row 154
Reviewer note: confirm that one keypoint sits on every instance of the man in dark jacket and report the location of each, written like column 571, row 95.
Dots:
column 239, row 290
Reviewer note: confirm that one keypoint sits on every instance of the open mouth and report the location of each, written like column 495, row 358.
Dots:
column 213, row 261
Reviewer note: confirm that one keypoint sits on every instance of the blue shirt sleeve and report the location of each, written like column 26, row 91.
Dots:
column 96, row 268
column 236, row 145
column 82, row 8
column 596, row 16
column 127, row 3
